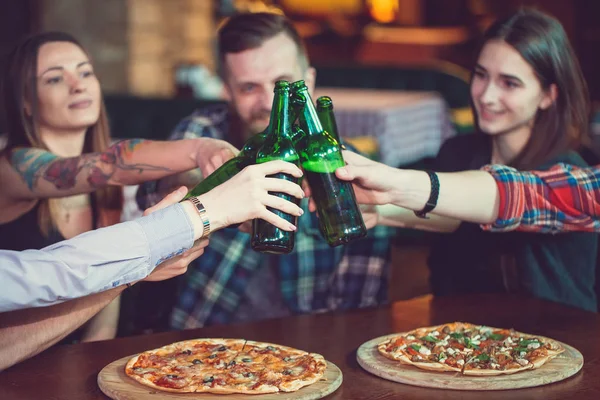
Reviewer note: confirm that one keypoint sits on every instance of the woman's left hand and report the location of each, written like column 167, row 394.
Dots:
column 212, row 153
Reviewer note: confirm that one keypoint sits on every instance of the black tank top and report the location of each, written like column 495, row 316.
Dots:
column 24, row 232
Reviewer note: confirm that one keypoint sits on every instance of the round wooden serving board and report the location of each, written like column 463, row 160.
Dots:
column 114, row 383
column 562, row 367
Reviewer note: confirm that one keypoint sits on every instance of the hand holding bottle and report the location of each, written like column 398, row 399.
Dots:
column 246, row 196
column 373, row 182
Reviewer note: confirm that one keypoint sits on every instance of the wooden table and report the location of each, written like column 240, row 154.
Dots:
column 70, row 372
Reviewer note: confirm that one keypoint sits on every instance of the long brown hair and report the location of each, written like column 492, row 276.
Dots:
column 541, row 40
column 19, row 84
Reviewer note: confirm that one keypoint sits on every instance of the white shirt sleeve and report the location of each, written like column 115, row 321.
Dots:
column 94, row 261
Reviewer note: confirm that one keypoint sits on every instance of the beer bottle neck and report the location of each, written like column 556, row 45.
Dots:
column 309, row 115
column 280, row 118
column 328, row 121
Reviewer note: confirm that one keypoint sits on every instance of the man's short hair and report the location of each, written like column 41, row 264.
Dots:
column 246, row 31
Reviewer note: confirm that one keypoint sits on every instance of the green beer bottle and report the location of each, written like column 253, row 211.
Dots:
column 320, row 155
column 296, row 135
column 245, row 157
column 278, row 146
column 325, row 113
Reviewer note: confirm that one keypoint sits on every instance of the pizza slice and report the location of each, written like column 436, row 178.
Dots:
column 435, row 349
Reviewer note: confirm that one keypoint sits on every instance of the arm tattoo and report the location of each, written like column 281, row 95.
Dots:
column 24, row 161
column 63, row 173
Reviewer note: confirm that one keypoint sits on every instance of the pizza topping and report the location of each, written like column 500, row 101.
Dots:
column 496, row 336
column 195, row 361
column 471, row 344
column 171, row 381
column 246, row 359
column 424, row 350
column 222, row 348
column 430, row 339
column 218, row 381
column 187, row 352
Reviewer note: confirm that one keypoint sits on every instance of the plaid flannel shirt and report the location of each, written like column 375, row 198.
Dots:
column 313, row 278
column 564, row 198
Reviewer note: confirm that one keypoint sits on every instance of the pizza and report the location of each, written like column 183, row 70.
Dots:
column 470, row 349
column 226, row 366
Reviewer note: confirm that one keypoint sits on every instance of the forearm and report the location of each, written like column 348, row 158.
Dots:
column 151, row 160
column 400, row 217
column 467, row 196
column 25, row 333
column 188, row 179
column 36, row 173
column 96, row 260
column 103, row 326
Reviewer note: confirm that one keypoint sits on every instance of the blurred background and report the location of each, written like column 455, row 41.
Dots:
column 140, row 45
column 156, row 62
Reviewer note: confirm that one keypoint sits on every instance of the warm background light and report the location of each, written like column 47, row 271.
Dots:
column 314, row 7
column 383, row 11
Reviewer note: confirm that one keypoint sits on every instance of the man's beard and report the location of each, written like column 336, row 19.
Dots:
column 257, row 124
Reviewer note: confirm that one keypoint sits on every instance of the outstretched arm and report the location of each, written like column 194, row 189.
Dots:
column 563, row 198
column 42, row 327
column 464, row 196
column 28, row 173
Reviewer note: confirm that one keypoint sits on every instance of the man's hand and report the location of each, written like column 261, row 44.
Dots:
column 212, row 153
column 176, row 265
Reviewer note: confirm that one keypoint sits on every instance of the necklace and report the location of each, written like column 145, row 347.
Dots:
column 64, row 206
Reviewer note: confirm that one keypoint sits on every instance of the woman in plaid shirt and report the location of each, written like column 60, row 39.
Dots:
column 530, row 100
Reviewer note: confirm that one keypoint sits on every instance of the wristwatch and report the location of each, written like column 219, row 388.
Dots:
column 202, row 214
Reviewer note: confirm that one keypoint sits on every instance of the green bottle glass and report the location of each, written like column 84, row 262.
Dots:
column 320, row 155
column 266, row 237
column 245, row 157
column 326, row 116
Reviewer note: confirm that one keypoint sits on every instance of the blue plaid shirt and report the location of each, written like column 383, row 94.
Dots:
column 312, row 278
